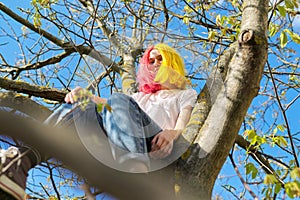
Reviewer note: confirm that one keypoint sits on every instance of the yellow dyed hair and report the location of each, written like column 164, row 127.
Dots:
column 172, row 70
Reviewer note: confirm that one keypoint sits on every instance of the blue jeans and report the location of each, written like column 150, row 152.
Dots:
column 128, row 128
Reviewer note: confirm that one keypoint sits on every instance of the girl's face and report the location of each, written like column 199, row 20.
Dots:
column 155, row 59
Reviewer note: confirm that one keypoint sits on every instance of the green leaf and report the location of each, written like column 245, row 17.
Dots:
column 99, row 107
column 33, row 2
column 296, row 3
column 295, row 173
column 289, row 4
column 275, row 131
column 250, row 134
column 263, row 140
column 187, row 9
column 277, row 188
column 232, row 37
column 211, row 35
column 282, row 141
column 272, row 30
column 281, row 127
column 218, row 20
column 250, row 168
column 254, row 173
column 292, row 189
column 282, row 11
column 186, row 20
column 257, row 140
column 231, row 20
column 270, row 179
column 268, row 193
column 283, row 39
column 224, row 31
column 294, row 36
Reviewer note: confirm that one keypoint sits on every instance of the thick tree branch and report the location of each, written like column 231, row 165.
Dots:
column 189, row 165
column 209, row 94
column 62, row 143
column 24, row 104
column 32, row 90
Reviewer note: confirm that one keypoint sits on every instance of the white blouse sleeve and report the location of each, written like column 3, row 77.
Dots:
column 188, row 98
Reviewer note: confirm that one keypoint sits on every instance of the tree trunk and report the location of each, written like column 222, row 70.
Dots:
column 198, row 170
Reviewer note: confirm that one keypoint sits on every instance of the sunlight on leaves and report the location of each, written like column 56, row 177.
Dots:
column 270, row 179
column 295, row 173
column 292, row 189
column 250, row 168
column 283, row 39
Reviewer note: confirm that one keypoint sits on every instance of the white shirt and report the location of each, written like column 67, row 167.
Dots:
column 164, row 106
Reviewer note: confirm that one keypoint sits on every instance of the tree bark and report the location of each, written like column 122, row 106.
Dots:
column 128, row 74
column 24, row 104
column 33, row 90
column 199, row 170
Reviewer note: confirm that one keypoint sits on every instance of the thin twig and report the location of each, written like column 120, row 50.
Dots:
column 242, row 179
column 284, row 116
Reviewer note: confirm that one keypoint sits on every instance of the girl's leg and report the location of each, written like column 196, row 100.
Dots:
column 62, row 112
column 129, row 129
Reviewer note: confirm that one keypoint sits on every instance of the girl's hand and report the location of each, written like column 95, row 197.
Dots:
column 162, row 144
column 72, row 96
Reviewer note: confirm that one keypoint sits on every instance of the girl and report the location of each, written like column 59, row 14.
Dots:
column 144, row 126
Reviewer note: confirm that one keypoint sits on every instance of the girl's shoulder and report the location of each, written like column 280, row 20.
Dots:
column 187, row 92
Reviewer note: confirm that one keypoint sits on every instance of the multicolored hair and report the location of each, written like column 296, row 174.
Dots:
column 171, row 73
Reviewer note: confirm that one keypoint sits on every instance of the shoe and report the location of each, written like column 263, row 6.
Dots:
column 14, row 169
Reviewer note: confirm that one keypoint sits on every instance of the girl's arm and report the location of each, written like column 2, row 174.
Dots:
column 98, row 100
column 74, row 96
column 162, row 143
column 182, row 120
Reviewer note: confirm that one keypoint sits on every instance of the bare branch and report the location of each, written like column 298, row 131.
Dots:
column 112, row 36
column 242, row 179
column 70, row 47
column 26, row 23
column 256, row 155
column 284, row 117
column 37, row 65
column 32, row 90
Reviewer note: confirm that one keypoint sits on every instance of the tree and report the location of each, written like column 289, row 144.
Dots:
column 225, row 43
